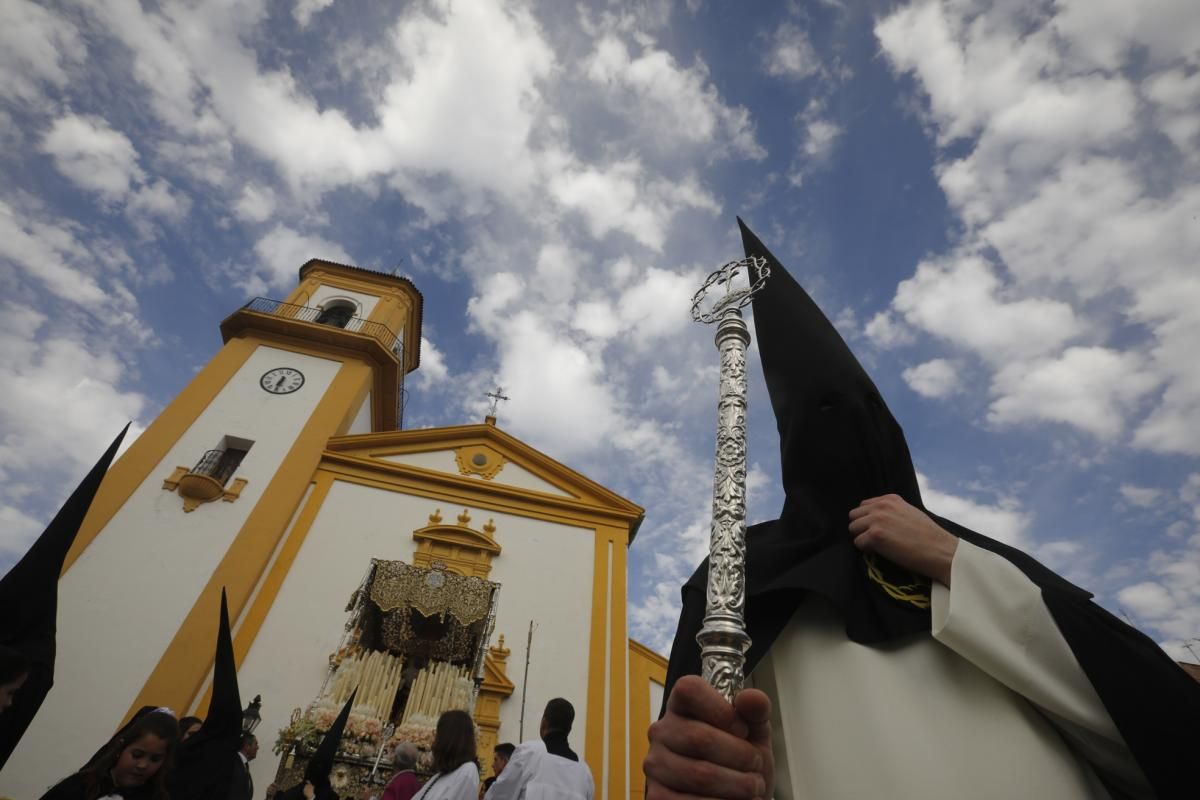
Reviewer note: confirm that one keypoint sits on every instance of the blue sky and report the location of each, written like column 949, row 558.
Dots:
column 996, row 202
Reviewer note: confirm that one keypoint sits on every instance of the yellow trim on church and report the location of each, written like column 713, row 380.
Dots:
column 645, row 667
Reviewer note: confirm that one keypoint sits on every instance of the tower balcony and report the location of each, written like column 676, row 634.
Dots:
column 332, row 329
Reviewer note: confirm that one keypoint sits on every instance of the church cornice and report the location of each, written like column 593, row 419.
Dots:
column 470, row 491
column 587, row 492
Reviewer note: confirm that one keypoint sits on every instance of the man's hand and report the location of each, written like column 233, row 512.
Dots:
column 905, row 535
column 704, row 747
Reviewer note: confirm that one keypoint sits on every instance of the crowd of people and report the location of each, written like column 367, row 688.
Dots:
column 136, row 764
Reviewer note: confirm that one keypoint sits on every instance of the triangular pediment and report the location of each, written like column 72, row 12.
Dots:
column 483, row 455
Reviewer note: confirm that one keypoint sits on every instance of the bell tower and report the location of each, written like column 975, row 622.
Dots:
column 204, row 497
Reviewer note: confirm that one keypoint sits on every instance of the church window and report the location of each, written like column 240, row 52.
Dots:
column 337, row 313
column 221, row 462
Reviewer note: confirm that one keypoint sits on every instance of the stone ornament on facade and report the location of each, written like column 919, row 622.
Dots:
column 481, row 460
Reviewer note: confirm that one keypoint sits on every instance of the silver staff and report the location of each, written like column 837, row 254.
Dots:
column 723, row 639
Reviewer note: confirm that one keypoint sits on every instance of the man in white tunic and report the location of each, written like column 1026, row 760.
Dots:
column 896, row 653
column 546, row 769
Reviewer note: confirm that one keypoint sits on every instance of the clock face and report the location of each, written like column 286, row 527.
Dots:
column 281, row 380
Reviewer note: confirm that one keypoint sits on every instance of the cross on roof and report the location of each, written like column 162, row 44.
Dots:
column 496, row 397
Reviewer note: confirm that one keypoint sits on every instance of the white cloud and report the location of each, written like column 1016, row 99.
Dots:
column 1091, row 388
column 88, row 151
column 256, row 203
column 304, row 10
column 791, row 54
column 619, row 198
column 597, row 319
column 658, row 304
column 935, row 378
column 47, row 251
column 818, row 138
column 1140, row 496
column 36, row 45
column 1177, row 96
column 961, row 300
column 680, row 104
column 1148, row 599
column 433, row 369
column 885, row 331
column 283, row 250
column 158, row 199
column 554, row 383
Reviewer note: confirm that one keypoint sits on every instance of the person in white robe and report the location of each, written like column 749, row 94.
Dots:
column 547, row 768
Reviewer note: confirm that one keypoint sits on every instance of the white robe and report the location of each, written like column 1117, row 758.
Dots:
column 992, row 705
column 461, row 784
column 534, row 774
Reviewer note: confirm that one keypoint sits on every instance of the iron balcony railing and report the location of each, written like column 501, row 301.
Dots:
column 215, row 465
column 376, row 330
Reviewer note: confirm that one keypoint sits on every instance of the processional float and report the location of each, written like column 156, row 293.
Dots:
column 723, row 639
column 413, row 647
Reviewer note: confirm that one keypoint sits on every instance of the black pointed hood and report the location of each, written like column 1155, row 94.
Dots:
column 321, row 763
column 839, row 443
column 29, row 597
column 205, row 763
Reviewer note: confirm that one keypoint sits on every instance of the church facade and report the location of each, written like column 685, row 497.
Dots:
column 282, row 475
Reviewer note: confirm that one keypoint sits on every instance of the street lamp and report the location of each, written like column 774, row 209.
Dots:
column 251, row 717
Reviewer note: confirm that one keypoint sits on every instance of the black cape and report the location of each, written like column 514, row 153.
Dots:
column 839, row 446
column 29, row 598
column 74, row 787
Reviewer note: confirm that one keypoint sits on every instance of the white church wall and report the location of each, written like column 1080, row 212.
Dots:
column 545, row 571
column 362, row 419
column 510, row 474
column 515, row 475
column 657, row 692
column 440, row 460
column 324, row 293
column 109, row 641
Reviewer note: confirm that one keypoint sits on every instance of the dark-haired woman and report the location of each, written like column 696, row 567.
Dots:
column 133, row 766
column 457, row 774
column 189, row 726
